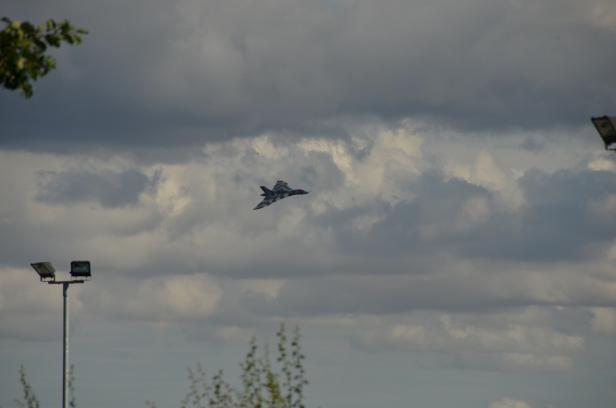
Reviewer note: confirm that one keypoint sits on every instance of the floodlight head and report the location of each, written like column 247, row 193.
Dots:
column 606, row 126
column 45, row 270
column 81, row 269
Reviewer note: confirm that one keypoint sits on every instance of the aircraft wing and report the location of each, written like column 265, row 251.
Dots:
column 266, row 201
column 281, row 186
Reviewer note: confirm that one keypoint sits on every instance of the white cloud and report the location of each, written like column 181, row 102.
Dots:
column 602, row 163
column 501, row 345
column 509, row 403
column 383, row 231
column 603, row 14
column 30, row 309
column 161, row 299
column 530, row 361
column 484, row 171
column 604, row 320
column 374, row 166
column 21, row 291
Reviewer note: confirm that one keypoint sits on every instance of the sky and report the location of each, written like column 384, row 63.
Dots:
column 457, row 246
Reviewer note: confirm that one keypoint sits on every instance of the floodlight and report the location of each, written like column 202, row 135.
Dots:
column 45, row 270
column 47, row 273
column 606, row 126
column 80, row 269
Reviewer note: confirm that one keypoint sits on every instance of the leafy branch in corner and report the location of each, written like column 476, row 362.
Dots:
column 23, row 51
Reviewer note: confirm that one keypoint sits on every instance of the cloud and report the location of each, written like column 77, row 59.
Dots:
column 603, row 15
column 604, row 320
column 566, row 215
column 534, row 362
column 504, row 346
column 512, row 337
column 29, row 310
column 509, row 403
column 197, row 72
column 108, row 188
column 161, row 299
column 438, row 287
column 460, row 212
column 385, row 231
column 376, row 204
column 31, row 226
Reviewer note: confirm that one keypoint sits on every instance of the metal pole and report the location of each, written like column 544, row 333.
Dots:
column 46, row 273
column 65, row 348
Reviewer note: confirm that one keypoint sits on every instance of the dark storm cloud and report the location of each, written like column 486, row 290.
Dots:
column 532, row 145
column 437, row 205
column 184, row 72
column 108, row 188
column 567, row 215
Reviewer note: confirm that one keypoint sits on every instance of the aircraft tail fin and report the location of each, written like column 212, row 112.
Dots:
column 266, row 191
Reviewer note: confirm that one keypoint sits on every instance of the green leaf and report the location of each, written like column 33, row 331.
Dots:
column 23, row 48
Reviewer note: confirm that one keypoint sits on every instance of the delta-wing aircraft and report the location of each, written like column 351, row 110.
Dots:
column 280, row 190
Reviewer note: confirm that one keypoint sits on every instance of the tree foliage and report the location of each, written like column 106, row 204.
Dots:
column 263, row 384
column 71, row 387
column 23, row 51
column 28, row 399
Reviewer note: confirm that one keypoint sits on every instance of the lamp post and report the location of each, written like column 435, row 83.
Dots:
column 606, row 126
column 80, row 272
